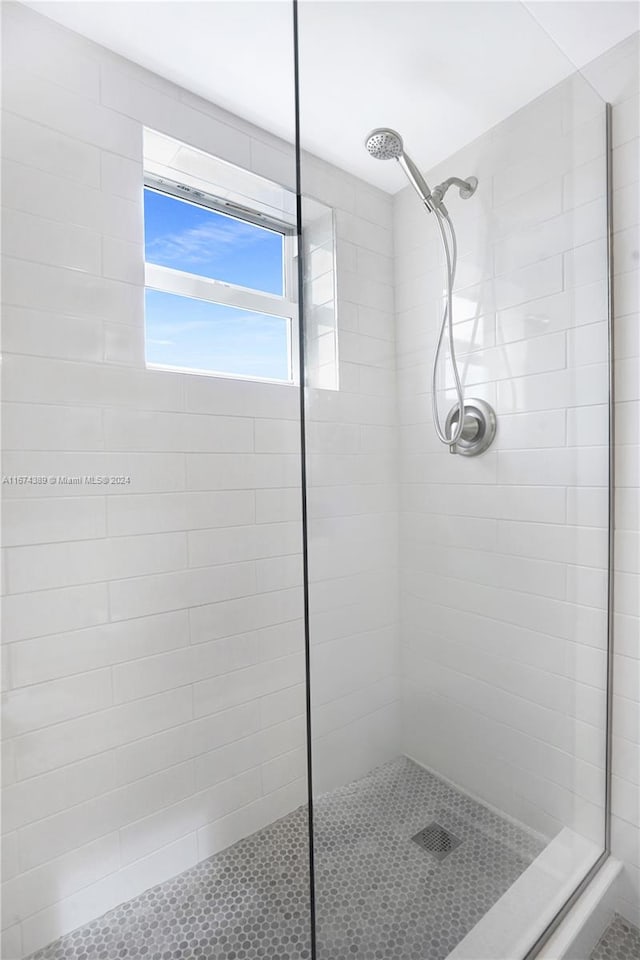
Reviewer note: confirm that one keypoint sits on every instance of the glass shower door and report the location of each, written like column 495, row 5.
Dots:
column 457, row 603
column 154, row 733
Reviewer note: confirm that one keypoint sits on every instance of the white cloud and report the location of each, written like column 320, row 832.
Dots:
column 202, row 243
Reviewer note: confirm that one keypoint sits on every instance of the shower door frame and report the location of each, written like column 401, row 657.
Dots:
column 303, row 481
column 560, row 915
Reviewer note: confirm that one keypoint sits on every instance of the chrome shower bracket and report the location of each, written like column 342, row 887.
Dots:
column 467, row 188
column 478, row 431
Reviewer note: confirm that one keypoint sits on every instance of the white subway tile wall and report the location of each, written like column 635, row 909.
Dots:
column 503, row 579
column 153, row 643
column 352, row 488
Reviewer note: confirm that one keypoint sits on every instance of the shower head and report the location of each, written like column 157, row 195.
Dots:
column 384, row 144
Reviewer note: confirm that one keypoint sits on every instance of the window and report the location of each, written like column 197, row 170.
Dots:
column 220, row 286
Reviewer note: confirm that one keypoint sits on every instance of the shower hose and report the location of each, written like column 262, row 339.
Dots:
column 451, row 257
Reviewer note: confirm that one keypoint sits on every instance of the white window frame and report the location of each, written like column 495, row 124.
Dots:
column 169, row 280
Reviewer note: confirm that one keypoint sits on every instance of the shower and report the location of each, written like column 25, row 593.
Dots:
column 471, row 433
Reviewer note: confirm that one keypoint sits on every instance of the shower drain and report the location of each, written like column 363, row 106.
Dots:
column 436, row 840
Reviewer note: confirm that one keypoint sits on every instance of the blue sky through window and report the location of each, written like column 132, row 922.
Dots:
column 198, row 240
column 193, row 334
column 199, row 335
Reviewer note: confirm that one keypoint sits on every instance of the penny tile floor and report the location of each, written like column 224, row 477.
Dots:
column 620, row 941
column 379, row 895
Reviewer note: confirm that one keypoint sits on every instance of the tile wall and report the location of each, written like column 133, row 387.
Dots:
column 503, row 579
column 153, row 644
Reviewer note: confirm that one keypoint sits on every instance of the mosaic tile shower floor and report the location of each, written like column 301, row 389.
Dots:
column 620, row 941
column 379, row 895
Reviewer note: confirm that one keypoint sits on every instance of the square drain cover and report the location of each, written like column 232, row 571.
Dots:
column 436, row 840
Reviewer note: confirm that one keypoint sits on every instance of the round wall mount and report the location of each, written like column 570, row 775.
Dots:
column 478, row 431
column 471, row 185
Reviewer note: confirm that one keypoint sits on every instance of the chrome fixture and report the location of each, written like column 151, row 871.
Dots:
column 467, row 188
column 437, row 840
column 478, row 428
column 386, row 144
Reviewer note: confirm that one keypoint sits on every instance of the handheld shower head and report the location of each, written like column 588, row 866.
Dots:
column 385, row 144
column 464, row 432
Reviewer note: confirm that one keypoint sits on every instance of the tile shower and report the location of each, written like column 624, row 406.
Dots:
column 155, row 733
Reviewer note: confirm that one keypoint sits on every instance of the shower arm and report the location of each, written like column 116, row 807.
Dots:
column 467, row 188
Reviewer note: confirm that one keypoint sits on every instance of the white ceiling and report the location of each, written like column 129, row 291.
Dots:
column 440, row 72
column 585, row 30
